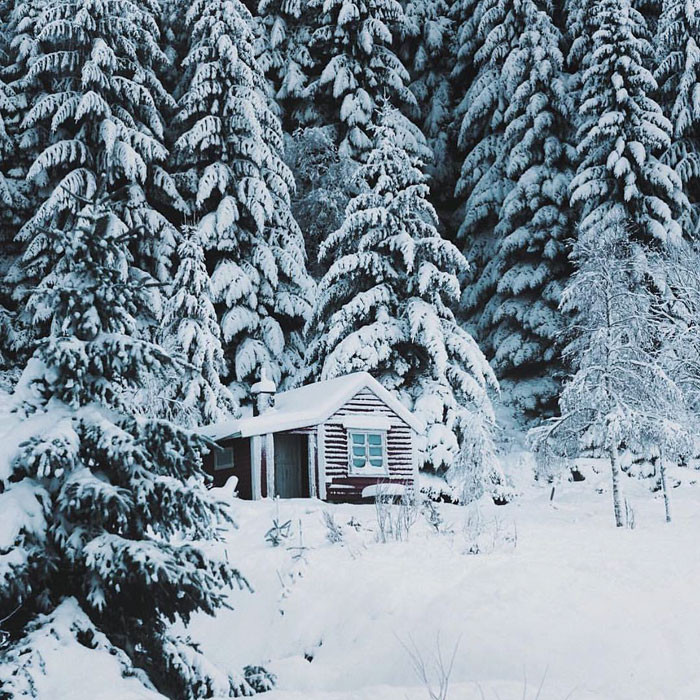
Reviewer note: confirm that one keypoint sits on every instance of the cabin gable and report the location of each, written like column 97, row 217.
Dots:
column 372, row 415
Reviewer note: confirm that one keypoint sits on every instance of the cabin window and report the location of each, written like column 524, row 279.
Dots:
column 367, row 452
column 223, row 458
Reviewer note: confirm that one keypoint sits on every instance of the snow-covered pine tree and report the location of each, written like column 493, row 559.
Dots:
column 427, row 40
column 514, row 191
column 580, row 26
column 174, row 42
column 13, row 204
column 622, row 134
column 95, row 119
column 285, row 58
column 8, row 340
column 13, row 197
column 651, row 11
column 112, row 511
column 190, row 332
column 520, row 324
column 628, row 204
column 15, row 194
column 323, row 188
column 678, row 75
column 19, row 43
column 386, row 303
column 466, row 16
column 229, row 157
column 355, row 66
column 482, row 184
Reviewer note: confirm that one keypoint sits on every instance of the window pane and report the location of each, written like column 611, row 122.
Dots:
column 358, row 438
column 375, row 439
column 358, row 451
column 358, row 463
column 375, row 451
column 376, row 462
column 223, row 458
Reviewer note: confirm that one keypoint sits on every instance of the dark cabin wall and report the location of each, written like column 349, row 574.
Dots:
column 241, row 466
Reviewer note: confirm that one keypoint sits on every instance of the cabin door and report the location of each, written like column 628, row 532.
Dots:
column 290, row 466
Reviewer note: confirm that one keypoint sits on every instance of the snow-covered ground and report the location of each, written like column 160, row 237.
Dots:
column 537, row 599
column 556, row 597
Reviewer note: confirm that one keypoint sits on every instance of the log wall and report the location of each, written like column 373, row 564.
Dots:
column 340, row 485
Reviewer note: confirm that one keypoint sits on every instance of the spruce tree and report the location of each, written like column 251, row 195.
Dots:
column 229, row 158
column 190, row 332
column 386, row 303
column 20, row 43
column 14, row 204
column 520, row 323
column 323, row 188
column 514, row 184
column 678, row 75
column 7, row 337
column 285, row 58
column 622, row 135
column 482, row 184
column 19, row 47
column 427, row 40
column 13, row 195
column 651, row 11
column 466, row 16
column 580, row 27
column 113, row 510
column 95, row 118
column 355, row 65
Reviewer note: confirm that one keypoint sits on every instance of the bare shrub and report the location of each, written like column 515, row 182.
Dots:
column 334, row 532
column 434, row 673
column 279, row 532
column 295, row 569
column 395, row 520
column 483, row 535
column 433, row 517
column 630, row 521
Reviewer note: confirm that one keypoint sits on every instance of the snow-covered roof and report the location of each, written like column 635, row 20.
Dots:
column 311, row 405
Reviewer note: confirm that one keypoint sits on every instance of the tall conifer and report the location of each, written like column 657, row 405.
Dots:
column 229, row 158
column 386, row 305
column 113, row 513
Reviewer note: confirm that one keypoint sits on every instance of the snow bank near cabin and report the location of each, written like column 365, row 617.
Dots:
column 556, row 593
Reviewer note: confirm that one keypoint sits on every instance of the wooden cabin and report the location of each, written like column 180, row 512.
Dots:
column 336, row 440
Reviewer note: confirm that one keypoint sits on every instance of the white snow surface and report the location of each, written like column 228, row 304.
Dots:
column 383, row 490
column 556, row 597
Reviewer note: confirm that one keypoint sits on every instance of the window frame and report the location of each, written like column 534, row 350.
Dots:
column 220, row 451
column 368, row 469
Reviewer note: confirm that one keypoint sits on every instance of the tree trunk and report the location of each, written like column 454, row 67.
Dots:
column 664, row 487
column 616, row 489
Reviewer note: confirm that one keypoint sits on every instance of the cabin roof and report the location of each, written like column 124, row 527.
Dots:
column 311, row 405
